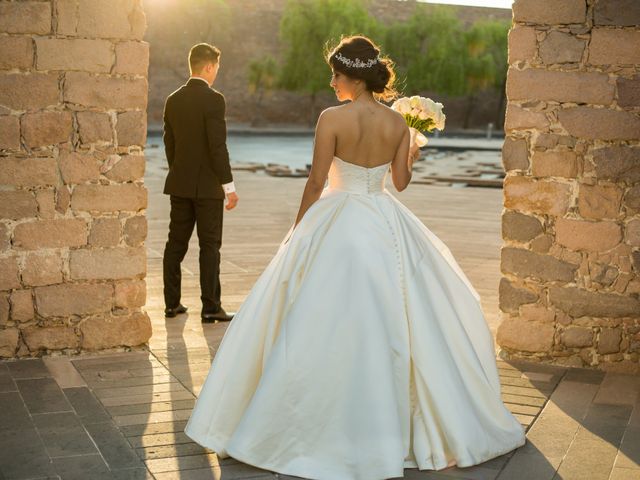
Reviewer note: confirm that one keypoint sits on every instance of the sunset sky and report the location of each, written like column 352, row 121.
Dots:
column 475, row 3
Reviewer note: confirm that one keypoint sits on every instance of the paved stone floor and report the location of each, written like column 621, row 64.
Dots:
column 121, row 415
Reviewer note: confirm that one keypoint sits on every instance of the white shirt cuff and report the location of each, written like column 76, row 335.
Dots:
column 228, row 187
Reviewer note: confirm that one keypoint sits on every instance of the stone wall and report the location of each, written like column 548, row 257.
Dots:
column 73, row 95
column 570, row 291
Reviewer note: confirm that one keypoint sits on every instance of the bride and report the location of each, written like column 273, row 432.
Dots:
column 362, row 348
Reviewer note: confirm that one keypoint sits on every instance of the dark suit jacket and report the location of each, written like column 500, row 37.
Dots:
column 195, row 141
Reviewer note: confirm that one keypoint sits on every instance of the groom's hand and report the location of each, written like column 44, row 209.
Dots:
column 232, row 200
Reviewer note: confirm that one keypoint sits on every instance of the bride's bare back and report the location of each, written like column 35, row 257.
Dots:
column 367, row 134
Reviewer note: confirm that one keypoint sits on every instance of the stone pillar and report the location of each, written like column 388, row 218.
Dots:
column 73, row 95
column 570, row 290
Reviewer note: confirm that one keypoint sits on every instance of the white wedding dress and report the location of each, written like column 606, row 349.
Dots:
column 361, row 350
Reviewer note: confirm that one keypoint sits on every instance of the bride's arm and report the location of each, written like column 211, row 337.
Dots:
column 324, row 145
column 401, row 166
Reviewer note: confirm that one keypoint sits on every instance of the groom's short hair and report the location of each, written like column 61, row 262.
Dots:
column 201, row 54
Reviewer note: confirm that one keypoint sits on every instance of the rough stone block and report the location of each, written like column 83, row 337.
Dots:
column 103, row 91
column 25, row 17
column 599, row 201
column 28, row 172
column 600, row 123
column 538, row 196
column 109, row 198
column 46, row 128
column 511, row 297
column 587, row 235
column 105, row 232
column 112, row 331
column 132, row 58
column 9, row 342
column 129, row 168
column 94, row 127
column 50, row 338
column 515, row 155
column 575, row 337
column 518, row 118
column 520, row 227
column 121, row 19
column 554, row 164
column 78, row 168
column 73, row 299
column 135, row 230
column 614, row 47
column 21, row 305
column 617, row 163
column 9, row 276
column 62, row 232
column 9, row 132
column 540, row 84
column 74, row 54
column 16, row 52
column 629, row 91
column 609, row 340
column 525, row 263
column 619, row 13
column 560, row 47
column 42, row 268
column 130, row 293
column 17, row 204
column 131, row 128
column 32, row 91
column 45, row 199
column 522, row 44
column 525, row 335
column 632, row 233
column 107, row 263
column 550, row 12
column 5, row 237
column 578, row 302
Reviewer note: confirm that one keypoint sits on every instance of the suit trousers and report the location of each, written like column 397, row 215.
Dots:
column 206, row 214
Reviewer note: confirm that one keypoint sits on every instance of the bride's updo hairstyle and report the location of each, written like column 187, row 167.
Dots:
column 358, row 57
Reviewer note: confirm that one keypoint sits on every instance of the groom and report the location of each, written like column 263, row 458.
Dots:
column 198, row 181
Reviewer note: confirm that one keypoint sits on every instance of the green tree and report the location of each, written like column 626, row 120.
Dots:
column 486, row 62
column 305, row 30
column 262, row 80
column 428, row 51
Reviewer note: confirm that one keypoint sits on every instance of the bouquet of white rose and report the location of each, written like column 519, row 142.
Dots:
column 421, row 114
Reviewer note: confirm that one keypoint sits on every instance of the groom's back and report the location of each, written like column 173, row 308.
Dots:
column 195, row 141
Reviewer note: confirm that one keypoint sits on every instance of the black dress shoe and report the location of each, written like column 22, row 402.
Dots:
column 172, row 312
column 219, row 316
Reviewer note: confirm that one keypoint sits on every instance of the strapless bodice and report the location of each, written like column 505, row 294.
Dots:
column 349, row 177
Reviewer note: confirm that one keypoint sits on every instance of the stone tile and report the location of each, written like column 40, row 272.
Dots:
column 151, row 407
column 28, row 368
column 97, row 381
column 154, row 428
column 63, row 435
column 147, row 398
column 86, row 405
column 82, row 467
column 165, row 451
column 198, row 466
column 523, row 400
column 585, row 375
column 132, row 474
column 624, row 474
column 7, row 384
column 43, row 395
column 159, row 439
column 113, row 446
column 143, row 418
column 13, row 413
column 629, row 454
column 619, row 389
column 22, row 454
column 63, row 372
column 102, row 393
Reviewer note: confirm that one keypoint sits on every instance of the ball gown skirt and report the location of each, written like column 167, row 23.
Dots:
column 361, row 350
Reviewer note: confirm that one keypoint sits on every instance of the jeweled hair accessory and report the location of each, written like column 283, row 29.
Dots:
column 357, row 63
